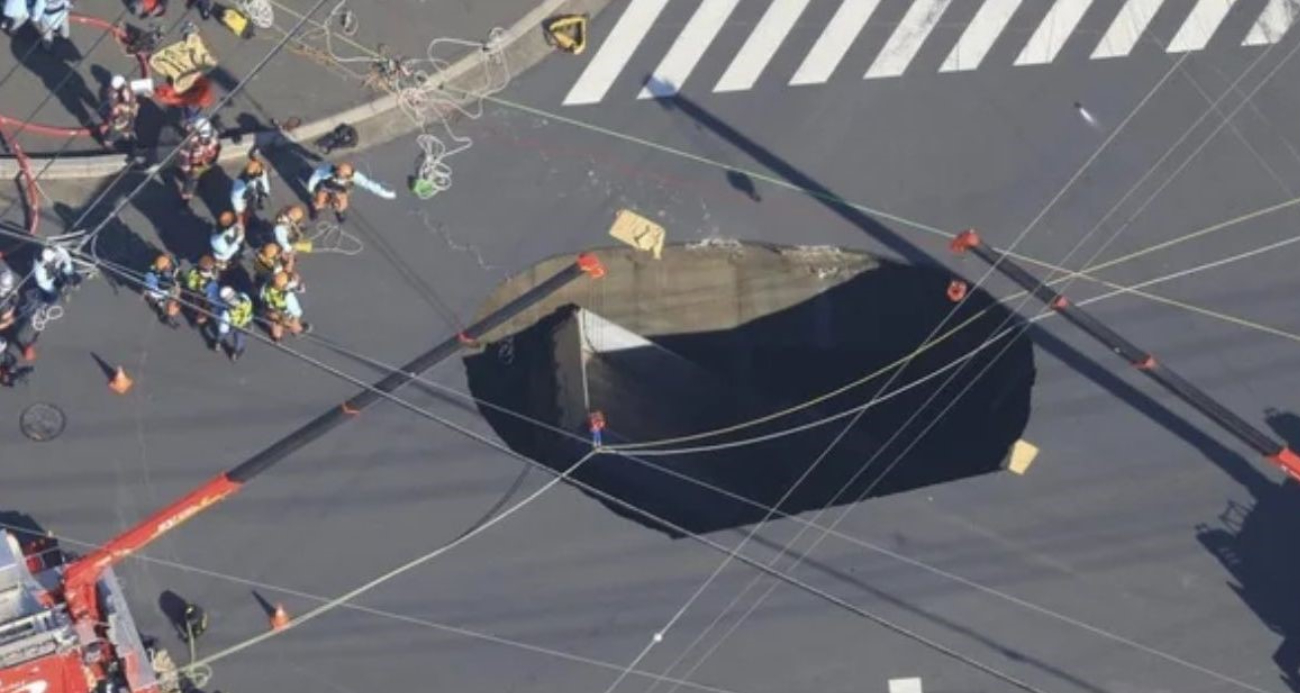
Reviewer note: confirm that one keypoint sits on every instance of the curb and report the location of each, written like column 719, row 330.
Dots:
column 378, row 121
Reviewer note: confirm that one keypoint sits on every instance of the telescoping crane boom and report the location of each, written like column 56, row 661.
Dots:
column 64, row 624
column 1242, row 430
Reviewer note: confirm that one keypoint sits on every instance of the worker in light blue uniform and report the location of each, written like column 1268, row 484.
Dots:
column 52, row 17
column 16, row 14
column 55, row 272
column 331, row 184
column 228, row 240
column 251, row 189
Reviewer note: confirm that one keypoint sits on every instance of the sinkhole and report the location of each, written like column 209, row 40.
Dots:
column 728, row 366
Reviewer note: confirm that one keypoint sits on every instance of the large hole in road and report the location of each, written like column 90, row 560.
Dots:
column 717, row 336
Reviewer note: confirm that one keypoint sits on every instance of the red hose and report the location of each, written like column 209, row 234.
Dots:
column 55, row 131
column 33, row 194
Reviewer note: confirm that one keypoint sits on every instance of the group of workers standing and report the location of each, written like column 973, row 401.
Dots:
column 205, row 292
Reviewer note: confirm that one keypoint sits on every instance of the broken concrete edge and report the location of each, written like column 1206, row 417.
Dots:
column 378, row 121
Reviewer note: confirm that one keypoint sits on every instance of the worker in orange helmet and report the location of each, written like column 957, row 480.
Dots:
column 281, row 308
column 331, row 185
column 271, row 260
column 251, row 189
column 163, row 289
column 289, row 232
column 228, row 239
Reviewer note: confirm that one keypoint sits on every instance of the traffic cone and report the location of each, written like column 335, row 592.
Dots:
column 120, row 383
column 280, row 618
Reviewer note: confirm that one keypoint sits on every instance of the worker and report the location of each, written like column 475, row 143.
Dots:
column 163, row 289
column 10, row 372
column 250, row 189
column 200, row 281
column 281, row 308
column 198, row 153
column 331, row 185
column 16, row 13
column 8, row 300
column 228, row 239
column 52, row 20
column 54, row 273
column 271, row 259
column 120, row 110
column 233, row 318
column 288, row 231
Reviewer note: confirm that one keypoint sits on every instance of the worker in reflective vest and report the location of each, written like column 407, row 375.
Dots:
column 234, row 317
column 121, row 108
column 200, row 282
column 163, row 289
column 197, row 154
column 331, row 185
column 280, row 305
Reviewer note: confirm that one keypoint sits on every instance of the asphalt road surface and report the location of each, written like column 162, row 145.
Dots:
column 1143, row 551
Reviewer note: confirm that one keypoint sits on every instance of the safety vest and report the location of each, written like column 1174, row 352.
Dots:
column 196, row 280
column 263, row 266
column 124, row 108
column 275, row 299
column 241, row 311
column 166, row 280
column 336, row 185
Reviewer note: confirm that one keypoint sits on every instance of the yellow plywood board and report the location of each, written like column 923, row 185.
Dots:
column 183, row 62
column 1022, row 455
column 638, row 232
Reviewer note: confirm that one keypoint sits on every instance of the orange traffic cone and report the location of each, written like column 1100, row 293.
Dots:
column 279, row 619
column 120, row 383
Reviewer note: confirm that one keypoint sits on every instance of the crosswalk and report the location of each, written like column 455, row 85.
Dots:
column 1040, row 37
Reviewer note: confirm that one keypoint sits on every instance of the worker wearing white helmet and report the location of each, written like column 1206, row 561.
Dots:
column 235, row 314
column 198, row 153
column 120, row 110
column 55, row 272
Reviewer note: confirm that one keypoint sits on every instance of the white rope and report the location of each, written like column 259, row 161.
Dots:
column 259, row 12
column 331, row 238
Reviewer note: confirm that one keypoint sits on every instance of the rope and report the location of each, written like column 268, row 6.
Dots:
column 328, row 237
column 259, row 12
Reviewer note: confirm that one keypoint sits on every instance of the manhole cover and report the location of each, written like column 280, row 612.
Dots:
column 42, row 422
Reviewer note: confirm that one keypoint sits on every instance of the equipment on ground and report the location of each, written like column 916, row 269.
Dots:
column 64, row 622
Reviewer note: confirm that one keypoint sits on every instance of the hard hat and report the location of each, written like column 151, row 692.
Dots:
column 207, row 263
column 203, row 126
column 227, row 294
column 271, row 249
column 344, row 170
column 48, row 255
column 163, row 262
column 118, row 82
column 226, row 219
column 254, row 168
column 7, row 282
column 280, row 280
column 295, row 213
column 4, row 344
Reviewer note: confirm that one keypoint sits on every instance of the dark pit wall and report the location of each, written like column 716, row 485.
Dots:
column 768, row 364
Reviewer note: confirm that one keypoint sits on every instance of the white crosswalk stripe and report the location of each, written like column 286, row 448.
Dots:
column 689, row 46
column 980, row 34
column 1200, row 25
column 614, row 53
column 1125, row 22
column 1127, row 28
column 907, row 38
column 1052, row 33
column 1277, row 17
column 834, row 42
column 761, row 45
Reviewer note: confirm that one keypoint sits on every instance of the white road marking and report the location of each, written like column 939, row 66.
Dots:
column 1052, row 33
column 907, row 38
column 688, row 48
column 1127, row 28
column 905, row 685
column 761, row 45
column 834, row 41
column 614, row 53
column 979, row 36
column 1201, row 23
column 1277, row 17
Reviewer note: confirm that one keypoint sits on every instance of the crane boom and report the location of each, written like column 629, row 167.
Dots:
column 81, row 575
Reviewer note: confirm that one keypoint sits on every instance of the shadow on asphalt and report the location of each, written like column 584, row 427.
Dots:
column 709, row 380
column 52, row 68
column 1255, row 542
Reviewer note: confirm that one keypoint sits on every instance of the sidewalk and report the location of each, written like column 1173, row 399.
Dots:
column 312, row 78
